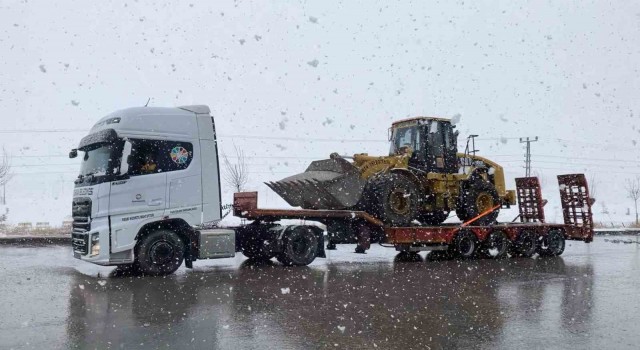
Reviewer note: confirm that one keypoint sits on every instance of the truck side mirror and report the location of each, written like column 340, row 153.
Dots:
column 73, row 153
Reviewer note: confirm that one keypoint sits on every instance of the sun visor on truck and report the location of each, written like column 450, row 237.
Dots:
column 100, row 137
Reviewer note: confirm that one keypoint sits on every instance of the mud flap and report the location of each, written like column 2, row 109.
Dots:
column 320, row 234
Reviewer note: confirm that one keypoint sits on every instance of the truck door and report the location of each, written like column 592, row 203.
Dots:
column 184, row 184
column 139, row 195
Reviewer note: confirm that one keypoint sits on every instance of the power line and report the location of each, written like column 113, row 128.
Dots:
column 297, row 160
column 304, row 139
column 573, row 163
column 75, row 172
column 34, row 131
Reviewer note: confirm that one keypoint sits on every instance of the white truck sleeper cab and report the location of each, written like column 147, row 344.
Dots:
column 149, row 178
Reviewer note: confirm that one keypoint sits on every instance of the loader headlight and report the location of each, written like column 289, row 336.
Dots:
column 95, row 244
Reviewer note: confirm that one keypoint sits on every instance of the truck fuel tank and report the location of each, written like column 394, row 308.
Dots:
column 217, row 243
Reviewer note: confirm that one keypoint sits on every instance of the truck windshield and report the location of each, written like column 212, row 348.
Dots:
column 405, row 136
column 99, row 160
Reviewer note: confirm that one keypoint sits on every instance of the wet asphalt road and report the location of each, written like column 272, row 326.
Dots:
column 587, row 299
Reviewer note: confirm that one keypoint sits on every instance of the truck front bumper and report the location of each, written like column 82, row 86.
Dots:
column 93, row 246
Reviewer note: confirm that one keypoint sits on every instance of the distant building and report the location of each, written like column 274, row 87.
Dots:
column 24, row 226
column 42, row 226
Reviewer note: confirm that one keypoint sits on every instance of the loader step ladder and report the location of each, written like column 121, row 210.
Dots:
column 530, row 201
column 575, row 200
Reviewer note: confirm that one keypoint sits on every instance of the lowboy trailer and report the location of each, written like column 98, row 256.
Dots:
column 300, row 244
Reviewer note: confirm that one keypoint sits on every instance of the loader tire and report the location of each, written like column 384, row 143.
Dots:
column 393, row 198
column 434, row 218
column 477, row 196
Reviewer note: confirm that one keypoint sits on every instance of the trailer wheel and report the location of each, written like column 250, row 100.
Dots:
column 476, row 197
column 160, row 253
column 552, row 244
column 525, row 244
column 394, row 199
column 299, row 247
column 464, row 245
column 496, row 246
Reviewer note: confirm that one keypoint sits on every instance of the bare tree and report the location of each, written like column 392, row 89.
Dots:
column 236, row 174
column 5, row 174
column 632, row 186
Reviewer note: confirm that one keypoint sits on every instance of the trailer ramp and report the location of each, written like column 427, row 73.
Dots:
column 576, row 206
column 530, row 201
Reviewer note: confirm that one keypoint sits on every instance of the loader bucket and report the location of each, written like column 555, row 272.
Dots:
column 326, row 184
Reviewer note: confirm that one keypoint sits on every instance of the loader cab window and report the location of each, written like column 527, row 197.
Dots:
column 406, row 137
column 144, row 157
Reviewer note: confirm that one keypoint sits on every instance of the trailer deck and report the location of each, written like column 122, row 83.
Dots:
column 532, row 234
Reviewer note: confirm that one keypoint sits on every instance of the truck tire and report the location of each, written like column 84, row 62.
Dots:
column 496, row 245
column 552, row 244
column 477, row 196
column 299, row 247
column 255, row 252
column 254, row 247
column 159, row 253
column 525, row 244
column 434, row 218
column 464, row 245
column 394, row 199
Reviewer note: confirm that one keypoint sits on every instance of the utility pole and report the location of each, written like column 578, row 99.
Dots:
column 527, row 158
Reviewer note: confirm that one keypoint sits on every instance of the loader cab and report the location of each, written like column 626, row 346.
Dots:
column 432, row 142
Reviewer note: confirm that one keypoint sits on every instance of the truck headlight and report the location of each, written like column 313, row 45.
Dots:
column 95, row 244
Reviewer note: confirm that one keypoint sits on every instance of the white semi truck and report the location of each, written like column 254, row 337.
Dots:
column 149, row 184
column 148, row 195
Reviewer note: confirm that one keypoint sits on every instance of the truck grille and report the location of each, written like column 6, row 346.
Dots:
column 81, row 224
column 80, row 243
column 81, row 212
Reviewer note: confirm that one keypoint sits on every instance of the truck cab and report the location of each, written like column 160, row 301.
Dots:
column 147, row 171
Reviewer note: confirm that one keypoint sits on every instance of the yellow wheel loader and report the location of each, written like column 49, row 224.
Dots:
column 422, row 180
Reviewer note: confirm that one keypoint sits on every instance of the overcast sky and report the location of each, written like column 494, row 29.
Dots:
column 335, row 73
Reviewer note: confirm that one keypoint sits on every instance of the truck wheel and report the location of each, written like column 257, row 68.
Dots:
column 552, row 244
column 299, row 247
column 434, row 218
column 394, row 199
column 525, row 244
column 464, row 245
column 476, row 197
column 254, row 248
column 160, row 253
column 496, row 246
